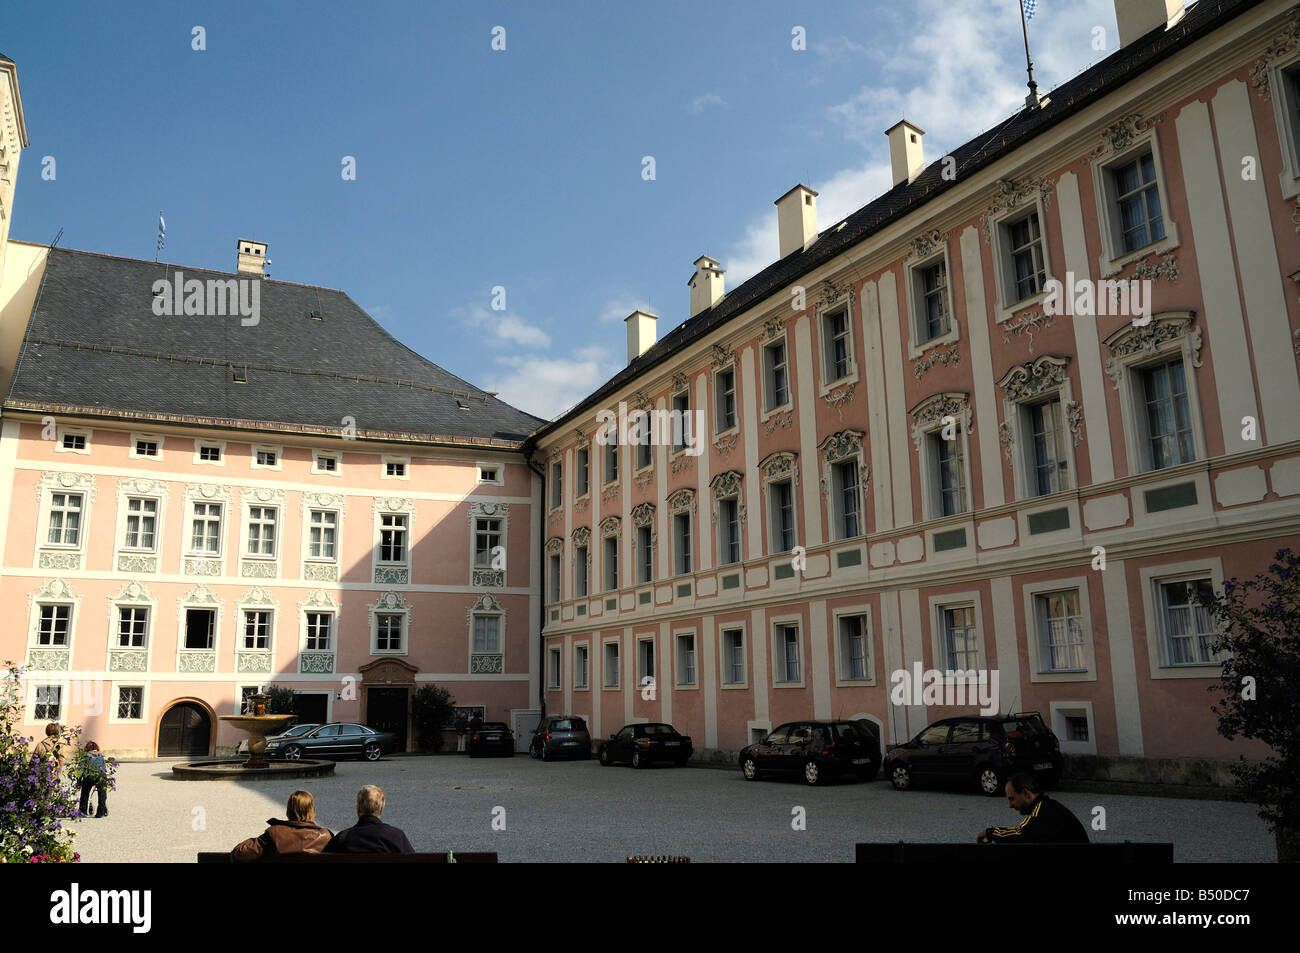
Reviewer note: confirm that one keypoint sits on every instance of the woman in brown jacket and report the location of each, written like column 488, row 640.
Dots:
column 300, row 834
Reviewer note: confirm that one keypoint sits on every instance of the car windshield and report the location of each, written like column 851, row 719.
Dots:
column 297, row 730
column 850, row 731
column 659, row 730
column 568, row 724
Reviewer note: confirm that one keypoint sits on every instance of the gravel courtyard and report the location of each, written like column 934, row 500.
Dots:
column 581, row 811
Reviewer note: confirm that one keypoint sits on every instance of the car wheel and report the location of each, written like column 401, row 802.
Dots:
column 546, row 755
column 604, row 757
column 638, row 761
column 812, row 772
column 749, row 768
column 988, row 779
column 534, row 752
column 372, row 752
column 900, row 775
column 292, row 753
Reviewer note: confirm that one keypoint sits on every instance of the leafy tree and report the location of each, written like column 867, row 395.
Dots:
column 1260, row 683
column 279, row 700
column 432, row 709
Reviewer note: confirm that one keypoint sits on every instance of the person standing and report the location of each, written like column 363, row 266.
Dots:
column 1045, row 821
column 93, row 776
column 370, row 835
column 299, row 834
column 51, row 747
column 460, row 725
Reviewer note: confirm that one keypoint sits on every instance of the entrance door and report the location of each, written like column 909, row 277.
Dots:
column 185, row 732
column 310, row 707
column 386, row 710
column 525, row 723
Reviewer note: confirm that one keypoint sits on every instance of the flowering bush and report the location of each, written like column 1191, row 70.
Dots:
column 93, row 766
column 34, row 801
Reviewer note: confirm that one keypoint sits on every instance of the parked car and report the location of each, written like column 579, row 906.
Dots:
column 644, row 744
column 560, row 735
column 493, row 737
column 335, row 740
column 294, row 732
column 979, row 749
column 815, row 750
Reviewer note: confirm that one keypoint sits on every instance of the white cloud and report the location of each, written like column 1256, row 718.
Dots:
column 619, row 308
column 840, row 49
column 504, row 327
column 703, row 102
column 547, row 386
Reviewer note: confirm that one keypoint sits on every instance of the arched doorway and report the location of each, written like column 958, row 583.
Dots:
column 185, row 731
column 387, row 686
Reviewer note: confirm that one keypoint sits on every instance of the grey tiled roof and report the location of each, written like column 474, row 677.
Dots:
column 94, row 344
column 1071, row 96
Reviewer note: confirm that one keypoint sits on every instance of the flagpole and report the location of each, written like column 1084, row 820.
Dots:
column 1032, row 99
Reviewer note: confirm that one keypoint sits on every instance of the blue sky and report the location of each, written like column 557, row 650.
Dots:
column 519, row 168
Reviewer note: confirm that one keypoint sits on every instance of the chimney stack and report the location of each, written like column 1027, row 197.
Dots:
column 706, row 285
column 796, row 219
column 905, row 155
column 640, row 333
column 1137, row 18
column 252, row 257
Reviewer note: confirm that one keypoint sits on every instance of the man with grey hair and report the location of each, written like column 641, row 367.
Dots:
column 370, row 835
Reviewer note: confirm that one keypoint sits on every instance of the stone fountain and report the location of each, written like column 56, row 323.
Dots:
column 258, row 724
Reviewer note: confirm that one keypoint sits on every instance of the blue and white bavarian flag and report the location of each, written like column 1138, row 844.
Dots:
column 1031, row 7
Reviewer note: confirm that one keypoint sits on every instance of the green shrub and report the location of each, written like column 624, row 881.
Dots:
column 432, row 709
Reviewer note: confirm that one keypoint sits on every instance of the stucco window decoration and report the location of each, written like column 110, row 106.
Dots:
column 487, row 662
column 581, row 539
column 722, row 355
column 1130, row 342
column 51, row 658
column 609, row 526
column 950, row 355
column 779, row 466
column 727, row 486
column 643, row 514
column 262, row 568
column 1027, row 324
column 839, row 447
column 928, row 243
column 1025, row 382
column 131, row 561
column 1118, row 135
column 832, row 293
column 1281, row 46
column 254, row 660
column 1014, row 194
column 393, row 574
column 928, row 415
column 314, row 661
column 62, row 557
column 554, row 546
column 481, row 577
column 682, row 501
column 1154, row 268
column 129, row 658
column 201, row 564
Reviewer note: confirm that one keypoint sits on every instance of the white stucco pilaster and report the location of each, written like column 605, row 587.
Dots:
column 986, row 403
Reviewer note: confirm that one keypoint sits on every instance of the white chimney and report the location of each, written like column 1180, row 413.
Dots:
column 1137, row 18
column 796, row 219
column 706, row 285
column 252, row 257
column 905, row 155
column 640, row 333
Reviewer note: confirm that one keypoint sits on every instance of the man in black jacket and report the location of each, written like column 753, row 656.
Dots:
column 1045, row 821
column 370, row 835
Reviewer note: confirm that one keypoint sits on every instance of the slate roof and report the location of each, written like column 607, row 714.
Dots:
column 985, row 149
column 94, row 346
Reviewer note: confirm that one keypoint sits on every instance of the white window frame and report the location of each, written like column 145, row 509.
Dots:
column 246, row 529
column 115, row 635
column 641, row 673
column 610, row 568
column 190, row 515
column 777, row 625
column 724, row 557
column 770, row 477
column 555, row 490
column 1113, row 259
column 582, row 570
column 1002, row 260
column 183, row 608
column 266, row 448
column 931, row 485
column 555, row 578
column 387, row 459
column 578, row 468
column 862, row 611
column 123, row 542
column 156, row 439
column 585, row 684
column 605, row 683
column 47, row 510
column 115, row 689
column 404, row 613
column 916, row 304
column 319, row 610
column 938, row 641
column 200, row 444
column 683, row 559
column 718, row 430
column 308, row 524
column 317, row 470
column 499, row 468
column 500, row 619
column 554, row 659
column 46, row 681
column 1029, row 593
column 769, row 395
column 1016, row 414
column 40, row 603
column 724, row 662
column 1150, row 577
column 405, row 561
column 682, row 413
column 678, row 668
column 1058, row 711
column 62, row 432
column 610, row 453
column 824, row 314
column 244, row 611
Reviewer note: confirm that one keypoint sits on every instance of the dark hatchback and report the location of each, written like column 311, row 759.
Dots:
column 642, row 745
column 335, row 740
column 493, row 737
column 977, row 749
column 560, row 736
column 815, row 751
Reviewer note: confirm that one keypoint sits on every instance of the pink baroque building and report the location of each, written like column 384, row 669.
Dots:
column 934, row 439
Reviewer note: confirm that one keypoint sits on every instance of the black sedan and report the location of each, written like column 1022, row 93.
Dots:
column 294, row 732
column 645, row 744
column 335, row 740
column 493, row 737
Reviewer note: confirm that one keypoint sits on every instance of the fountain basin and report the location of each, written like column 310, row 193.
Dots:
column 234, row 770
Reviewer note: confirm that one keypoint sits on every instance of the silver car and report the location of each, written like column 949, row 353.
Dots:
column 560, row 736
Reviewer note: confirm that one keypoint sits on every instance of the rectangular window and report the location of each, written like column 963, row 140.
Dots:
column 781, row 501
column 553, row 668
column 394, row 468
column 847, row 498
column 1024, row 244
column 487, row 634
column 489, row 475
column 553, row 577
column 725, row 384
column 733, row 656
column 835, row 332
column 319, row 625
column 74, row 441
column 950, row 473
column 49, row 703
column 146, row 448
column 611, row 665
column 54, row 625
column 645, row 661
column 645, row 557
column 681, row 543
column 130, row 702
column 644, row 447
column 775, row 383
column 65, row 519
column 322, row 534
column 1060, row 628
column 267, row 458
column 681, row 421
column 327, row 463
column 1047, row 447
column 960, row 645
column 685, row 660
column 1189, row 627
column 787, row 653
column 257, row 629
column 261, row 530
column 580, row 572
column 388, row 631
column 1169, row 422
column 1137, row 198
column 853, row 646
column 557, row 484
column 729, row 531
column 580, row 667
column 487, row 537
column 141, row 523
column 392, row 538
column 209, row 453
column 206, row 535
column 611, row 463
column 611, row 563
column 932, row 301
column 132, row 627
column 584, row 472
column 200, row 628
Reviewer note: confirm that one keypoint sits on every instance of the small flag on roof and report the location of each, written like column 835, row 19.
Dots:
column 1031, row 7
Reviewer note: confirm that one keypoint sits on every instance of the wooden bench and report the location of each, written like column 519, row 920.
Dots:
column 223, row 857
column 1127, row 852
